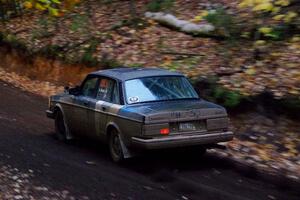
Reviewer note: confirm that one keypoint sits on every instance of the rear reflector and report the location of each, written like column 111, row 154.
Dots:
column 165, row 131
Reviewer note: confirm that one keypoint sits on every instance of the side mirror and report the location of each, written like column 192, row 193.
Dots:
column 74, row 91
column 66, row 89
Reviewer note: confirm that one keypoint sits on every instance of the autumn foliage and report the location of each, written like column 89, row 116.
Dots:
column 54, row 7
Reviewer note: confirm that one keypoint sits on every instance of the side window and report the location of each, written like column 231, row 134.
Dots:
column 108, row 91
column 89, row 87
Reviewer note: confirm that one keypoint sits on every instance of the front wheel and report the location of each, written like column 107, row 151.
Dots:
column 115, row 147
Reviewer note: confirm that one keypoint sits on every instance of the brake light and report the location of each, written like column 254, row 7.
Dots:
column 165, row 131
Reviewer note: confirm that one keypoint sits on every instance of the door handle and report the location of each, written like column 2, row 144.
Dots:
column 103, row 108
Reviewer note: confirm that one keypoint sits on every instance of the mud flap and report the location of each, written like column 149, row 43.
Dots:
column 69, row 135
column 126, row 152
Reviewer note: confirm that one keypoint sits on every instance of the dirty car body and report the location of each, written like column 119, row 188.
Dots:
column 147, row 108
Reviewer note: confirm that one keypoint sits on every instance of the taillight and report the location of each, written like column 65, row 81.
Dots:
column 165, row 131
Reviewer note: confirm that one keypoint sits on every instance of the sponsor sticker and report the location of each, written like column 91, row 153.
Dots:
column 134, row 99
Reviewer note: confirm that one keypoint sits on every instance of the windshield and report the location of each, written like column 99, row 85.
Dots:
column 158, row 89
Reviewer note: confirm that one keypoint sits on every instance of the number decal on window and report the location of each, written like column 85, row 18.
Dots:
column 133, row 99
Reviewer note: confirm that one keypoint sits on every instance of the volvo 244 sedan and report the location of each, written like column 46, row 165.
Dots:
column 138, row 108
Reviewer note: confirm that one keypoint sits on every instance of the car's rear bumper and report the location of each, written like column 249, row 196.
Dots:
column 50, row 114
column 182, row 140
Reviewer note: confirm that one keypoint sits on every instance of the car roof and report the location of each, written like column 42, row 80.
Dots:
column 127, row 73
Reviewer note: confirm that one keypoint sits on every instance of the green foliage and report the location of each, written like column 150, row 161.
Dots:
column 278, row 32
column 222, row 21
column 185, row 62
column 208, row 88
column 52, row 51
column 160, row 5
column 88, row 57
column 275, row 19
column 135, row 65
column 79, row 23
column 226, row 97
column 44, row 23
column 13, row 41
column 55, row 8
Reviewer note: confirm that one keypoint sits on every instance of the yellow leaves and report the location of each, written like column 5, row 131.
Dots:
column 278, row 17
column 260, row 43
column 263, row 7
column 53, row 12
column 245, row 35
column 289, row 16
column 55, row 7
column 265, row 30
column 296, row 38
column 201, row 16
column 258, row 5
column 204, row 13
column 282, row 2
column 198, row 18
column 264, row 155
column 250, row 71
column 27, row 5
column 275, row 9
column 294, row 91
column 243, row 4
column 40, row 7
column 252, row 3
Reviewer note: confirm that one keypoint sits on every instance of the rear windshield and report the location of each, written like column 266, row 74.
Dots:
column 162, row 88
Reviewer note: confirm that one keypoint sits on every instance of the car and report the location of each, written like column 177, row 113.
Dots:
column 137, row 109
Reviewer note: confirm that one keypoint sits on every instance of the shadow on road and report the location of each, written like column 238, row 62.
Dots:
column 163, row 166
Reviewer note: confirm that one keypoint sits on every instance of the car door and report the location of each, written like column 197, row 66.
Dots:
column 107, row 96
column 84, row 105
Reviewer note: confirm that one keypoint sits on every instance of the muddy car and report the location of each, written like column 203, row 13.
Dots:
column 138, row 108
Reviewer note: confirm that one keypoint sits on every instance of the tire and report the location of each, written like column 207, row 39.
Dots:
column 202, row 151
column 60, row 127
column 115, row 148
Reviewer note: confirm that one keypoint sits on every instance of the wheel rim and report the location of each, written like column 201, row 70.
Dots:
column 116, row 145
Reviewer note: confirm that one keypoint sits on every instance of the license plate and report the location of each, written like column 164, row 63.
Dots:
column 187, row 127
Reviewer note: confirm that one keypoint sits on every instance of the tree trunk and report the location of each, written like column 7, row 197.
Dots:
column 132, row 7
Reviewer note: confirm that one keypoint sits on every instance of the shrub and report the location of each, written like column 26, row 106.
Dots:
column 160, row 5
column 208, row 88
column 88, row 57
column 52, row 51
column 222, row 21
column 79, row 23
column 226, row 97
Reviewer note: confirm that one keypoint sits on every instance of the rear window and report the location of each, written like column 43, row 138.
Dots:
column 158, row 89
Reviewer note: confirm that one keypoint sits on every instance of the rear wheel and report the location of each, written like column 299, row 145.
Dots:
column 115, row 147
column 202, row 151
column 60, row 127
